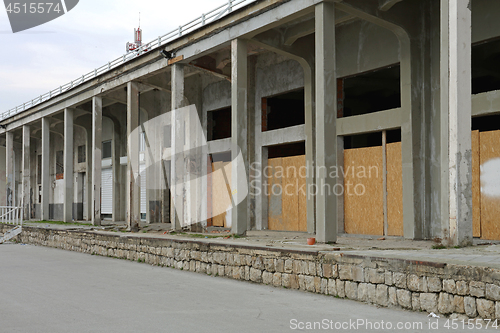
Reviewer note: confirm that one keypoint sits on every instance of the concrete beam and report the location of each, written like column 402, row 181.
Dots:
column 133, row 192
column 96, row 159
column 26, row 173
column 487, row 103
column 369, row 123
column 291, row 134
column 239, row 130
column 326, row 127
column 68, row 165
column 45, row 168
column 456, row 106
column 299, row 30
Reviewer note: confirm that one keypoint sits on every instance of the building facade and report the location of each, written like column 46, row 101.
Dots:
column 404, row 92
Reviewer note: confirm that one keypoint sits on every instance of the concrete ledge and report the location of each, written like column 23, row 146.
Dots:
column 459, row 291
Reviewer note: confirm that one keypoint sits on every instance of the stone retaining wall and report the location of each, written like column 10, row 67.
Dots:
column 461, row 291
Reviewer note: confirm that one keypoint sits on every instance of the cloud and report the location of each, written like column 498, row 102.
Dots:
column 93, row 33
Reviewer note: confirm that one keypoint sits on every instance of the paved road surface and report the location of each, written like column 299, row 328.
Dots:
column 49, row 290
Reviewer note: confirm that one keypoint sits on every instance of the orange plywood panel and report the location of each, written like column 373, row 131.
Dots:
column 290, row 195
column 476, row 186
column 363, row 191
column 394, row 190
column 221, row 199
column 490, row 184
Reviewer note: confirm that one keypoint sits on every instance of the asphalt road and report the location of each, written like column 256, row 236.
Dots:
column 49, row 290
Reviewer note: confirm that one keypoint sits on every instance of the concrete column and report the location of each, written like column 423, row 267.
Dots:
column 177, row 162
column 456, row 109
column 117, row 142
column 88, row 177
column 239, row 130
column 133, row 180
column 96, row 159
column 326, row 121
column 45, row 169
column 68, row 165
column 9, row 169
column 26, row 173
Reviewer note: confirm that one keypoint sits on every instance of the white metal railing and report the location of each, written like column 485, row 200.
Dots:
column 11, row 215
column 204, row 19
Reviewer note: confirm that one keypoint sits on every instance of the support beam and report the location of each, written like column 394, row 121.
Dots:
column 456, row 111
column 239, row 130
column 26, row 173
column 9, row 169
column 68, row 165
column 133, row 181
column 177, row 163
column 326, row 119
column 96, row 159
column 45, row 168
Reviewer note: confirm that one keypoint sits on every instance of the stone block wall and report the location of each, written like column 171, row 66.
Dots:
column 452, row 290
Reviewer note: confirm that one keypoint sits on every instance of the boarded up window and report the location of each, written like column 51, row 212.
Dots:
column 60, row 164
column 106, row 149
column 82, row 154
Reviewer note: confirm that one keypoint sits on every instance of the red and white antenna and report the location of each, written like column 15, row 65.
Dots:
column 137, row 39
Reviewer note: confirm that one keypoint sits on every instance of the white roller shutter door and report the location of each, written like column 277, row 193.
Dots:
column 143, row 188
column 107, row 191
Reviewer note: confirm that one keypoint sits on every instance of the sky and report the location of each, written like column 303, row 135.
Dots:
column 94, row 32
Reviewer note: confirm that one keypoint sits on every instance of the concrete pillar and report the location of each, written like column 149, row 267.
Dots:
column 133, row 180
column 88, row 176
column 26, row 173
column 326, row 121
column 9, row 169
column 456, row 109
column 96, row 159
column 177, row 162
column 117, row 142
column 45, row 169
column 68, row 165
column 239, row 130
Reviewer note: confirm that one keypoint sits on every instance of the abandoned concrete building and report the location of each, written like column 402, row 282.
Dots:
column 409, row 89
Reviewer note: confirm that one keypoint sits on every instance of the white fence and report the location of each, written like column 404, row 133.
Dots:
column 11, row 215
column 199, row 22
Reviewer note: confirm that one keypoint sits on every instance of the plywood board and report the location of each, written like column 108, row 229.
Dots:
column 275, row 202
column 394, row 190
column 476, row 186
column 290, row 195
column 490, row 184
column 364, row 208
column 220, row 192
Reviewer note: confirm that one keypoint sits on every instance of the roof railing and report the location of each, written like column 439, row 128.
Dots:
column 199, row 22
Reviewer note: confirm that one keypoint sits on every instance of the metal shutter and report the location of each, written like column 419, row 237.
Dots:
column 107, row 191
column 142, row 169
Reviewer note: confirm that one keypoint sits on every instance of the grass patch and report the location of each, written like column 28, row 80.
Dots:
column 438, row 247
column 58, row 223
